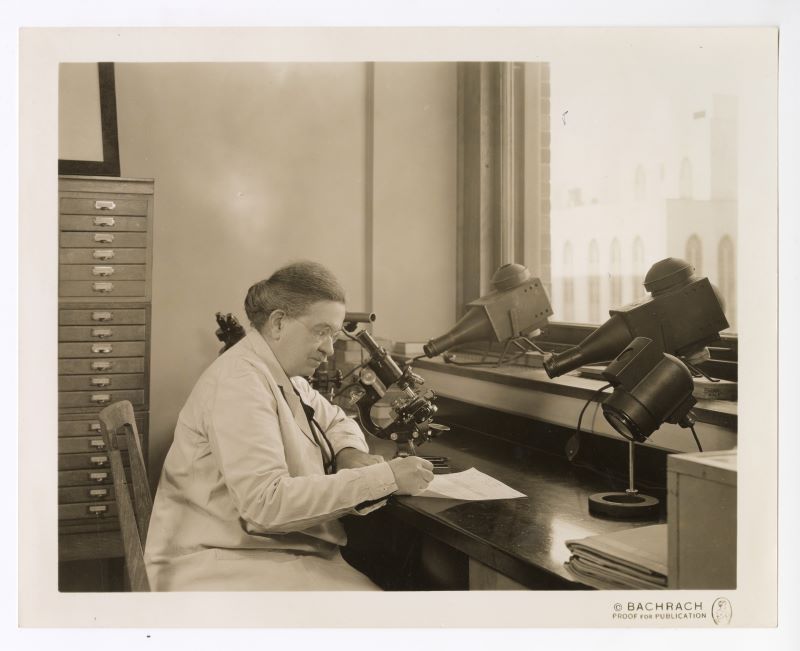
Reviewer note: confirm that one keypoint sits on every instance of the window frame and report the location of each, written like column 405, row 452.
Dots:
column 498, row 206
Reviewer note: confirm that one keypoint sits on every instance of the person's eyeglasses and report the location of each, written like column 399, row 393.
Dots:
column 321, row 332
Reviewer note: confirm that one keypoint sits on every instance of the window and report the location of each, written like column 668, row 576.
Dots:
column 615, row 279
column 726, row 275
column 685, row 189
column 629, row 161
column 694, row 254
column 637, row 278
column 585, row 177
column 568, row 284
column 594, row 282
column 640, row 184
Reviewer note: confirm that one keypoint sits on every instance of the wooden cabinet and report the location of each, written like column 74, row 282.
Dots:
column 105, row 263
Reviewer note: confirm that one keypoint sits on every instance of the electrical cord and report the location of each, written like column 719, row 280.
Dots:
column 573, row 445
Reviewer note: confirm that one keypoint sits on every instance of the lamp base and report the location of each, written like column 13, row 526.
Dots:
column 623, row 506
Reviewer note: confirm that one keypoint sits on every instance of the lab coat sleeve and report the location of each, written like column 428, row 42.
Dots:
column 341, row 430
column 245, row 436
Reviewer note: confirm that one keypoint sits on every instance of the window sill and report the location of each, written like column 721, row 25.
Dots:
column 527, row 391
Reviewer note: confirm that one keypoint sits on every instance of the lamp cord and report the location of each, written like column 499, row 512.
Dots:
column 574, row 442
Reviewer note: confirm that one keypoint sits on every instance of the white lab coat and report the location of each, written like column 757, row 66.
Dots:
column 243, row 502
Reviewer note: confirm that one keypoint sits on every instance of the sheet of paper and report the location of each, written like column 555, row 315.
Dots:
column 470, row 484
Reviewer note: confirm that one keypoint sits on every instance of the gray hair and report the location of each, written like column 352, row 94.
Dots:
column 293, row 289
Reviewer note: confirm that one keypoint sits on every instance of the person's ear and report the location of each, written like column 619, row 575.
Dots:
column 276, row 324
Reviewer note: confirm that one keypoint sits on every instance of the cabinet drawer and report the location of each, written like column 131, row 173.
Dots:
column 90, row 427
column 99, row 288
column 101, row 272
column 84, row 461
column 105, row 349
column 102, row 205
column 100, row 256
column 77, row 494
column 89, row 366
column 103, row 315
column 98, row 398
column 102, row 333
column 87, row 510
column 76, row 444
column 111, row 223
column 104, row 240
column 100, row 382
column 87, row 477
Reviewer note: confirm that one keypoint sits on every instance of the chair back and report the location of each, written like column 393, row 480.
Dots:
column 118, row 420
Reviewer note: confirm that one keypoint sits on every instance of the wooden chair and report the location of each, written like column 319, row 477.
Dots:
column 134, row 514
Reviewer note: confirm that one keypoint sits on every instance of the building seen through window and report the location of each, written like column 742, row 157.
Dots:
column 642, row 167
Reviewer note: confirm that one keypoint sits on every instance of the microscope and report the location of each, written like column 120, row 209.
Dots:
column 412, row 411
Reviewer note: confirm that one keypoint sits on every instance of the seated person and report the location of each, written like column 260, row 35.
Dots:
column 262, row 465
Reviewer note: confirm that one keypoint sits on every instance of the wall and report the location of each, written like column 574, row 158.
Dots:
column 258, row 164
column 414, row 206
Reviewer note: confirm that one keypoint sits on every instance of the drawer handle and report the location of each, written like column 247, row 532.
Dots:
column 103, row 288
column 102, row 333
column 104, row 221
column 100, row 398
column 98, row 476
column 104, row 205
column 99, row 461
column 100, row 381
column 94, row 427
column 97, row 444
column 98, row 492
column 102, row 316
column 104, row 238
column 103, row 254
column 98, row 509
column 102, row 366
column 102, row 348
column 102, row 271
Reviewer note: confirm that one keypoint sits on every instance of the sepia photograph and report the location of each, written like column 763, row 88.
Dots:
column 447, row 314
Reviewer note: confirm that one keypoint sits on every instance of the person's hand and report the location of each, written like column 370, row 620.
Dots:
column 352, row 458
column 411, row 474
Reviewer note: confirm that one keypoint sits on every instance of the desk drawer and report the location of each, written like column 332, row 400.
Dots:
column 101, row 256
column 102, row 332
column 101, row 315
column 101, row 272
column 112, row 223
column 80, row 240
column 105, row 366
column 101, row 288
column 98, row 398
column 87, row 510
column 101, row 382
column 99, row 350
column 90, row 427
column 78, row 494
column 102, row 205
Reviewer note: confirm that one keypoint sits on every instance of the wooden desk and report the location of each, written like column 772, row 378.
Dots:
column 500, row 544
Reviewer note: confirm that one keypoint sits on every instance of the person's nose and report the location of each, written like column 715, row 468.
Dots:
column 327, row 346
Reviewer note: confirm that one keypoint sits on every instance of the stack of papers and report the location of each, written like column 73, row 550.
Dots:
column 632, row 558
column 471, row 484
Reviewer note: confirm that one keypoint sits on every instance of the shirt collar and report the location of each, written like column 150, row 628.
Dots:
column 266, row 354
